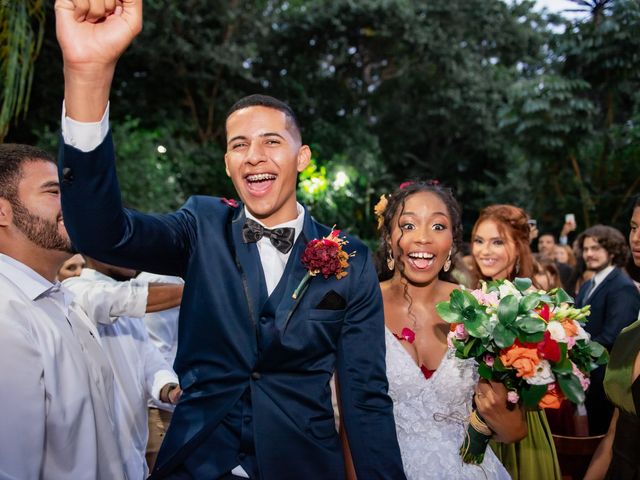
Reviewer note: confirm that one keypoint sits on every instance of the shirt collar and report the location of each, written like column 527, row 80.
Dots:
column 30, row 282
column 602, row 274
column 296, row 223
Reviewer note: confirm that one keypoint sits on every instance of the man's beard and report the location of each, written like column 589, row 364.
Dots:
column 44, row 233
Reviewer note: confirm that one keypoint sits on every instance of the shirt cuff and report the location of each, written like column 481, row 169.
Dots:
column 160, row 379
column 85, row 136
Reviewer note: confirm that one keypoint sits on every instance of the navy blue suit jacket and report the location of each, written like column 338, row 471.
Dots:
column 234, row 341
column 614, row 305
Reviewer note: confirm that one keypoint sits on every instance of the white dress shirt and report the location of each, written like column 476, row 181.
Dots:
column 117, row 308
column 162, row 328
column 56, row 406
column 87, row 136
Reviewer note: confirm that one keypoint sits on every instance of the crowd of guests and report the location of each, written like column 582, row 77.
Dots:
column 126, row 326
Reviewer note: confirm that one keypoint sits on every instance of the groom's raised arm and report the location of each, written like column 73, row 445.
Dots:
column 92, row 35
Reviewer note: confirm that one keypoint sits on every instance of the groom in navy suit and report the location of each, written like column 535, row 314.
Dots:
column 254, row 362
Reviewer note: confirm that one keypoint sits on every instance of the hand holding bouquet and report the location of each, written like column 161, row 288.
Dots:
column 531, row 341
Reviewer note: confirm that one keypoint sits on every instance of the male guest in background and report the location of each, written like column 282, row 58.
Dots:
column 56, row 406
column 71, row 268
column 254, row 360
column 546, row 247
column 116, row 304
column 614, row 301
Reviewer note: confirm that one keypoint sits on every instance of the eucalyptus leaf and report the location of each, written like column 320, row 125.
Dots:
column 563, row 297
column 508, row 309
column 529, row 302
column 571, row 387
column 503, row 336
column 447, row 314
column 530, row 324
column 522, row 284
column 485, row 371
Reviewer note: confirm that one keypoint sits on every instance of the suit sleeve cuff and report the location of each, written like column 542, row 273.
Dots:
column 85, row 136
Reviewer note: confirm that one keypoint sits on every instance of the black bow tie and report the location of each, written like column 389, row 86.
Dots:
column 281, row 238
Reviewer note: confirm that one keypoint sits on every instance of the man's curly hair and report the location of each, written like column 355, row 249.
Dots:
column 609, row 238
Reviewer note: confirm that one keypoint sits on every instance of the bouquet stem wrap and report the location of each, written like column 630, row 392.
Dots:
column 476, row 440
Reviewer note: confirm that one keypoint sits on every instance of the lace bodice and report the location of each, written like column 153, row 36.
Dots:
column 431, row 416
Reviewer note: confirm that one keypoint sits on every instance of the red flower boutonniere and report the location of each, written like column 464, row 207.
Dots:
column 230, row 201
column 326, row 257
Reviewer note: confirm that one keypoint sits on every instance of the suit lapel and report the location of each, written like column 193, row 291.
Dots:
column 294, row 273
column 250, row 266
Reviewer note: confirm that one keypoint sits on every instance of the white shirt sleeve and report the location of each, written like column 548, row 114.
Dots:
column 85, row 136
column 104, row 302
column 23, row 405
column 157, row 371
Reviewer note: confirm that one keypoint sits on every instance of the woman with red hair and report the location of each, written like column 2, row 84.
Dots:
column 500, row 250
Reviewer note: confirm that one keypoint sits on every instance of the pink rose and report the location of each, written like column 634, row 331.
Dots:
column 512, row 397
column 584, row 381
column 486, row 299
column 488, row 359
column 460, row 332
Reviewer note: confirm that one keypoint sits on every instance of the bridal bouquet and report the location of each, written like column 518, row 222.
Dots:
column 531, row 341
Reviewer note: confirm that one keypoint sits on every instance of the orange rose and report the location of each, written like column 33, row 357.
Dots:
column 570, row 328
column 524, row 360
column 552, row 399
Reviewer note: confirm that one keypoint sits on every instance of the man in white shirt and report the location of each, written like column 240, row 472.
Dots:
column 162, row 328
column 56, row 409
column 141, row 373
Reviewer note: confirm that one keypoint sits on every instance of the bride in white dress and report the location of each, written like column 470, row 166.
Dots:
column 432, row 390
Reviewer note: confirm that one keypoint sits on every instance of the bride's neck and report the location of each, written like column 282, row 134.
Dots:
column 422, row 293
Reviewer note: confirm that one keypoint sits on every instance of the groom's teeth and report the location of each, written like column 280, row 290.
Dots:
column 260, row 177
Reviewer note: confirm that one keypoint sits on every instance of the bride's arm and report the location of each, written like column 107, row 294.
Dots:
column 507, row 421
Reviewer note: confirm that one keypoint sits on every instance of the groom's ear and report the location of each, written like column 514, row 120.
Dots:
column 304, row 157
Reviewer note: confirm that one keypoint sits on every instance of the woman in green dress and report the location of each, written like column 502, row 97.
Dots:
column 500, row 250
column 617, row 456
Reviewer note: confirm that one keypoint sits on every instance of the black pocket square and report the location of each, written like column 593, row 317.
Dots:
column 332, row 301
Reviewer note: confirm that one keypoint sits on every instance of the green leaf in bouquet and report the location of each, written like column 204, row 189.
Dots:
column 456, row 301
column 603, row 359
column 530, row 337
column 476, row 322
column 530, row 324
column 503, row 336
column 563, row 297
column 571, row 387
column 529, row 302
column 485, row 371
column 468, row 347
column 522, row 284
column 532, row 394
column 596, row 350
column 447, row 314
column 508, row 309
column 498, row 366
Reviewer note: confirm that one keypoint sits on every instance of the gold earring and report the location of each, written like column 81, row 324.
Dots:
column 447, row 263
column 391, row 263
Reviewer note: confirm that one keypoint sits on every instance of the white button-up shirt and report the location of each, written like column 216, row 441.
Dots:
column 140, row 371
column 56, row 406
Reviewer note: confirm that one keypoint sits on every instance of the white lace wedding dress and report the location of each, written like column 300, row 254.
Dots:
column 431, row 416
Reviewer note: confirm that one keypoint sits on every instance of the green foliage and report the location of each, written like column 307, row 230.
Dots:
column 21, row 34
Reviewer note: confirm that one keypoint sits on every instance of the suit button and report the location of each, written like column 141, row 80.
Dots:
column 256, row 375
column 263, row 319
column 67, row 175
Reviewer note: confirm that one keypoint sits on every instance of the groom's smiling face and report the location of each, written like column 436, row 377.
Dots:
column 264, row 156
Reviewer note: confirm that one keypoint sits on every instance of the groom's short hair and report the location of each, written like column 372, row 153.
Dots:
column 258, row 100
